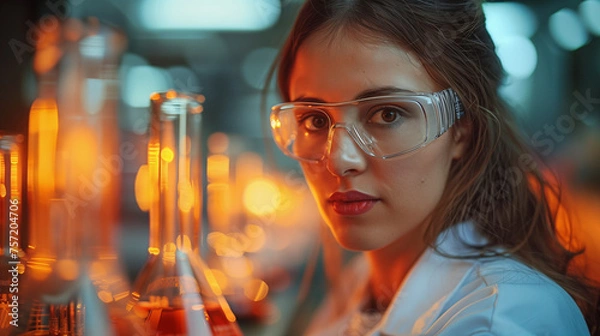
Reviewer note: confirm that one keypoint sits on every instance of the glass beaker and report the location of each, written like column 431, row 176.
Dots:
column 175, row 293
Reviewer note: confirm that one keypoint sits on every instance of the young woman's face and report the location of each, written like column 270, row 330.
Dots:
column 396, row 195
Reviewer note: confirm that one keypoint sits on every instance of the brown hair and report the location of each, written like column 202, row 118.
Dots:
column 498, row 184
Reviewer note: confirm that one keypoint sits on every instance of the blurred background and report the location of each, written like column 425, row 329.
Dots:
column 259, row 217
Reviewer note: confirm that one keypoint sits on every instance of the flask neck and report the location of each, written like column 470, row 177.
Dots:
column 174, row 160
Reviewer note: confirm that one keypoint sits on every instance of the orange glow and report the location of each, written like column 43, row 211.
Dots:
column 167, row 154
column 67, row 269
column 186, row 196
column 153, row 164
column 248, row 166
column 143, row 188
column 184, row 243
column 15, row 173
column 154, row 250
column 105, row 296
column 275, row 123
column 261, row 197
column 171, row 94
column 576, row 224
column 39, row 270
column 155, row 96
column 2, row 175
column 97, row 270
column 238, row 267
column 586, row 211
column 257, row 237
column 197, row 109
column 48, row 37
column 217, row 168
column 212, row 281
column 201, row 98
column 225, row 245
column 46, row 59
column 120, row 296
column 43, row 128
column 256, row 290
column 226, row 309
column 198, row 307
column 169, row 251
column 221, row 279
column 82, row 148
column 218, row 205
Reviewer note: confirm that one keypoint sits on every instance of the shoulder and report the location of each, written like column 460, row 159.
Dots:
column 502, row 296
column 342, row 300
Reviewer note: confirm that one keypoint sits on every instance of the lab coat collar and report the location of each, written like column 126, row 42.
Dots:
column 430, row 283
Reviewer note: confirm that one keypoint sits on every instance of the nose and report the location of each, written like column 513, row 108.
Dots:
column 343, row 156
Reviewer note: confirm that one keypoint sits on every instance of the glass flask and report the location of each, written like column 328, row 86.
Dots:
column 175, row 293
column 73, row 283
column 11, row 240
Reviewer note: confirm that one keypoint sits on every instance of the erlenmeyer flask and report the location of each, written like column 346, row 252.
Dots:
column 11, row 240
column 73, row 282
column 175, row 293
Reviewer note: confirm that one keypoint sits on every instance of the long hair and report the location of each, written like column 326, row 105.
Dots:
column 499, row 184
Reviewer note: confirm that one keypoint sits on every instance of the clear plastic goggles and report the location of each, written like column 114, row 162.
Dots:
column 385, row 126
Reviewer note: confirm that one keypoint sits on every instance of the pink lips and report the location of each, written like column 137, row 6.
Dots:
column 352, row 203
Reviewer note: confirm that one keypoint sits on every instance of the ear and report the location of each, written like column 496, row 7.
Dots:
column 461, row 138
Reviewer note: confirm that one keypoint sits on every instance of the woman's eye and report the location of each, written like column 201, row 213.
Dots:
column 315, row 122
column 386, row 115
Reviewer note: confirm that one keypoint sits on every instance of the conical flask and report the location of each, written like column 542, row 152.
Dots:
column 73, row 283
column 175, row 293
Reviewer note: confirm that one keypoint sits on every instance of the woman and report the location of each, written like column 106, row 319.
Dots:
column 395, row 119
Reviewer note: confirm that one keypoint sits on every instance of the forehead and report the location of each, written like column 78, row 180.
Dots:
column 338, row 67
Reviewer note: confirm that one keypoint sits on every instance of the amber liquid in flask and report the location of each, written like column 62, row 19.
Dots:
column 175, row 293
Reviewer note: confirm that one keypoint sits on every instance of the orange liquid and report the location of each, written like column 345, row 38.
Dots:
column 179, row 322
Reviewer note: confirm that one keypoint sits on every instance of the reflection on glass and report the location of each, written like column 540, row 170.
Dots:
column 73, row 283
column 175, row 293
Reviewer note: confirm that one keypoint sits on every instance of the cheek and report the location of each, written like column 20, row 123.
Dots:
column 315, row 175
column 416, row 182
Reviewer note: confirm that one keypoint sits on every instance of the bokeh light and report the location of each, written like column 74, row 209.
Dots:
column 567, row 29
column 140, row 82
column 518, row 55
column 240, row 15
column 589, row 11
column 522, row 19
column 261, row 196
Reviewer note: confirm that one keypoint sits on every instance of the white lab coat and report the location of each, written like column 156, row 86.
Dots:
column 445, row 296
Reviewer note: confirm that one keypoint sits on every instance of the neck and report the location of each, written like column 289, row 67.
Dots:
column 389, row 267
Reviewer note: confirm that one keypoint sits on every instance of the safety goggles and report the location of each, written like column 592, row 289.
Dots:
column 385, row 126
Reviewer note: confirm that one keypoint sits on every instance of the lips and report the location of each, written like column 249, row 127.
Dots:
column 352, row 203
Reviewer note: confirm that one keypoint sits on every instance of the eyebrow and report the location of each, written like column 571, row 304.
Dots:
column 374, row 92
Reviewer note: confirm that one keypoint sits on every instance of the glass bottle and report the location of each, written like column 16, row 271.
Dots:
column 175, row 293
column 73, row 283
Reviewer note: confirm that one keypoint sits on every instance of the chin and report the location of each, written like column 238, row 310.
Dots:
column 354, row 240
